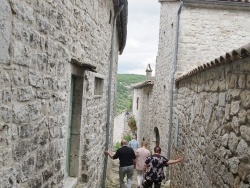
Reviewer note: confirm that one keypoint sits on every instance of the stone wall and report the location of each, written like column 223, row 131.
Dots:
column 213, row 112
column 38, row 41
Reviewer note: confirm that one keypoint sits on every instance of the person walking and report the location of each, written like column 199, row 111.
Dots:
column 134, row 143
column 141, row 155
column 127, row 158
column 154, row 168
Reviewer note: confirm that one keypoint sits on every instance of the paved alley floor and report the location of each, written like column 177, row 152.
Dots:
column 114, row 183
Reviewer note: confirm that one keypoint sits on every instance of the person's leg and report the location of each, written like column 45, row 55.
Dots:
column 130, row 173
column 121, row 176
column 139, row 177
column 157, row 184
column 148, row 184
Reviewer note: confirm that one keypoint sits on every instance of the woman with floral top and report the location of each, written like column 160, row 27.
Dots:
column 154, row 168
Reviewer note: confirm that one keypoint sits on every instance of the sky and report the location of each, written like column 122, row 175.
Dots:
column 142, row 37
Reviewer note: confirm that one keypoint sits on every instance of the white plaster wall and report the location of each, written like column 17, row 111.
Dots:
column 206, row 33
column 119, row 126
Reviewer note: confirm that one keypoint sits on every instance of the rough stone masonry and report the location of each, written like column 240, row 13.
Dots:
column 38, row 41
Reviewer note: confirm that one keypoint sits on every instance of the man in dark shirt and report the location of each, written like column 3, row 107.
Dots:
column 127, row 158
column 154, row 168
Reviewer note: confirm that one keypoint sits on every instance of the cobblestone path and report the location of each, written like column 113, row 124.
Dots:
column 114, row 182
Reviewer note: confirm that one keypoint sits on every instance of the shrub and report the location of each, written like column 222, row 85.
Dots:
column 132, row 124
column 117, row 146
column 127, row 137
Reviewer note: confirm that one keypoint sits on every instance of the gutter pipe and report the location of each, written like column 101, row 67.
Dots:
column 109, row 94
column 172, row 86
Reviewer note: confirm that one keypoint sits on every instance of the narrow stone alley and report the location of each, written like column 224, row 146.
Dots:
column 114, row 174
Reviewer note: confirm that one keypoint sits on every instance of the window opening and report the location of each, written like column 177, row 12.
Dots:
column 98, row 86
column 137, row 103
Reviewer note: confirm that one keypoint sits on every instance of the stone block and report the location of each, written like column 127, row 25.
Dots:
column 248, row 82
column 233, row 81
column 225, row 140
column 41, row 159
column 19, row 150
column 248, row 117
column 222, row 99
column 6, row 114
column 232, row 141
column 242, row 115
column 244, row 171
column 5, row 22
column 35, row 79
column 242, row 149
column 25, row 130
column 18, row 77
column 28, row 168
column 233, row 164
column 47, row 174
column 35, row 109
column 6, row 96
column 228, row 178
column 245, row 132
column 245, row 99
column 25, row 94
column 43, row 94
column 235, row 107
column 236, row 125
column 242, row 81
column 35, row 182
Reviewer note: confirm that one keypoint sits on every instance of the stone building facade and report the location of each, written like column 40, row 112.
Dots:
column 192, row 33
column 55, row 61
column 142, row 97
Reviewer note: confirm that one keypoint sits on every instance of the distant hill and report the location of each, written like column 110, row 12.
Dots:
column 124, row 93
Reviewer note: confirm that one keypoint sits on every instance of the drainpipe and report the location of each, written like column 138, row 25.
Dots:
column 172, row 86
column 109, row 95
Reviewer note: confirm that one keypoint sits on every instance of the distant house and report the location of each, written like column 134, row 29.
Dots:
column 200, row 95
column 142, row 97
column 55, row 73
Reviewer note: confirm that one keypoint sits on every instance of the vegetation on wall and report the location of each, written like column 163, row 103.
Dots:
column 117, row 145
column 124, row 94
column 132, row 124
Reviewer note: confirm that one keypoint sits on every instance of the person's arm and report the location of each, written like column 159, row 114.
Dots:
column 144, row 168
column 170, row 162
column 109, row 154
column 134, row 162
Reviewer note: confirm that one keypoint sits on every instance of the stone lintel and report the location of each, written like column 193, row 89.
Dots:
column 85, row 65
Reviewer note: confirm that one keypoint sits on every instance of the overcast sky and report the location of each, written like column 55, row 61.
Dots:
column 142, row 38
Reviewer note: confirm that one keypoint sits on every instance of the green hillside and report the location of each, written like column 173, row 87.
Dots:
column 124, row 93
